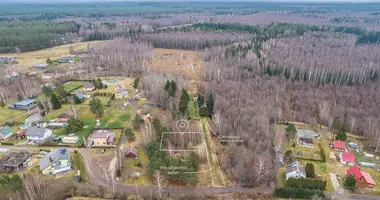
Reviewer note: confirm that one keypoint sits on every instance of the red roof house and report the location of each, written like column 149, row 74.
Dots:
column 363, row 179
column 339, row 145
column 347, row 158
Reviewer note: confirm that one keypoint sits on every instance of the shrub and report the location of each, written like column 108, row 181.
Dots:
column 306, row 183
column 298, row 193
column 310, row 172
column 350, row 182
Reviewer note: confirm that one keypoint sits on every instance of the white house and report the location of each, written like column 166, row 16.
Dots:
column 295, row 170
column 88, row 86
column 38, row 134
column 70, row 139
column 120, row 94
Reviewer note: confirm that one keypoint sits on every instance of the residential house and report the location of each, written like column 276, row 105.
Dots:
column 131, row 152
column 34, row 118
column 101, row 138
column 338, row 145
column 305, row 141
column 88, row 86
column 295, row 170
column 56, row 163
column 65, row 60
column 5, row 132
column 347, row 158
column 26, row 104
column 354, row 146
column 121, row 94
column 15, row 161
column 363, row 179
column 40, row 66
column 38, row 134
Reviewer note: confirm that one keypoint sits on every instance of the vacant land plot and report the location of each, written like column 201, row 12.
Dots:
column 180, row 62
column 140, row 165
column 72, row 85
column 15, row 115
column 28, row 59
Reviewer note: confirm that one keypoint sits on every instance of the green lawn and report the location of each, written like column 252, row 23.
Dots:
column 131, row 165
column 71, row 85
column 78, row 164
column 9, row 114
column 193, row 110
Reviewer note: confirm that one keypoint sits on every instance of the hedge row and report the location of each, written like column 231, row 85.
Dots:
column 307, row 183
column 298, row 193
column 322, row 153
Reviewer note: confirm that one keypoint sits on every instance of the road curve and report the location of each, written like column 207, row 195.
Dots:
column 96, row 177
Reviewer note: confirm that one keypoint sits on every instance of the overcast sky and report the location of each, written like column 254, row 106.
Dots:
column 73, row 1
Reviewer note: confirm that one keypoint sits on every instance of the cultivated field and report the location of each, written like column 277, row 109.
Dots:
column 28, row 59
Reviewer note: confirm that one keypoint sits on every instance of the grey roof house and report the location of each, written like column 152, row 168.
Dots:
column 65, row 60
column 25, row 104
column 56, row 163
column 38, row 134
column 15, row 161
column 88, row 86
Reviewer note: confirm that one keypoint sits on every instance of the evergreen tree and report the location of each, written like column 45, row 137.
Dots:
column 47, row 91
column 291, row 131
column 310, row 173
column 74, row 125
column 55, row 101
column 96, row 107
column 136, row 82
column 203, row 112
column 201, row 100
column 210, row 104
column 350, row 182
column 2, row 104
column 49, row 62
column 173, row 88
column 184, row 102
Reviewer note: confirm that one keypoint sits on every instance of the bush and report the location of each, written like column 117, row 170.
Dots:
column 306, row 183
column 350, row 182
column 310, row 172
column 298, row 193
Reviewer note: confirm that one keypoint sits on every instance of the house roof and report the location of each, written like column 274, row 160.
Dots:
column 294, row 167
column 100, row 134
column 33, row 118
column 123, row 92
column 132, row 150
column 80, row 96
column 88, row 85
column 40, row 65
column 15, row 159
column 367, row 177
column 63, row 59
column 60, row 154
column 306, row 140
column 348, row 157
column 358, row 174
column 5, row 131
column 110, row 138
column 339, row 144
column 25, row 102
column 36, row 131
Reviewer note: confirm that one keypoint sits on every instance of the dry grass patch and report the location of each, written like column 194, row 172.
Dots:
column 27, row 59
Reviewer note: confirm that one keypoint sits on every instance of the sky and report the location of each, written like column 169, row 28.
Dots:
column 52, row 1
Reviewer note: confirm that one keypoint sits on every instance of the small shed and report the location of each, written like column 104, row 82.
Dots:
column 131, row 152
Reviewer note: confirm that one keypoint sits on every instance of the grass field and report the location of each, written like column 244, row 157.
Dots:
column 78, row 164
column 15, row 115
column 71, row 85
column 131, row 166
column 26, row 60
column 178, row 62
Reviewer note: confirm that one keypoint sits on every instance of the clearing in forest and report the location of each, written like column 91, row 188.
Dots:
column 179, row 62
column 28, row 59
